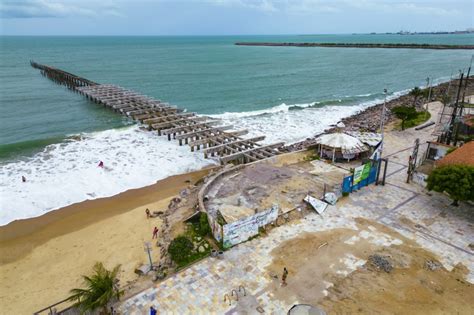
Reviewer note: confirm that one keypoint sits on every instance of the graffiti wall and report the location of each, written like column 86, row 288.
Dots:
column 216, row 228
column 241, row 230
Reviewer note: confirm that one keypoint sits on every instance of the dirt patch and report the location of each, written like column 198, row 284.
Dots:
column 339, row 278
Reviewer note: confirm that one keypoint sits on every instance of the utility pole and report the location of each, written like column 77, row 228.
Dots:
column 449, row 84
column 454, row 113
column 382, row 120
column 465, row 87
column 412, row 160
column 428, row 84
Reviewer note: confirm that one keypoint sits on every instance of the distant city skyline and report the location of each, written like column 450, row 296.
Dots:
column 231, row 17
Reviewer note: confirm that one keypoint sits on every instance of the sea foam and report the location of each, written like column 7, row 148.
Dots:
column 68, row 172
column 292, row 123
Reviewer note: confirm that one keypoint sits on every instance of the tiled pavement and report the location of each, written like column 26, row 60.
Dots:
column 429, row 220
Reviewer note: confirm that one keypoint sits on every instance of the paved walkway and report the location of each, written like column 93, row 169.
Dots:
column 407, row 208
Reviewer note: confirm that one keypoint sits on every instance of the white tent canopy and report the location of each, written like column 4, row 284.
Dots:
column 344, row 142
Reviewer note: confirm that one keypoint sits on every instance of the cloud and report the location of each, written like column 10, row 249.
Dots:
column 424, row 7
column 56, row 9
column 260, row 5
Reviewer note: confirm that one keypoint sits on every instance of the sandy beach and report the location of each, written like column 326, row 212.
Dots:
column 43, row 258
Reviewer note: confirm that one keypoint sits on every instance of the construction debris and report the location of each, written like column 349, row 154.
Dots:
column 381, row 262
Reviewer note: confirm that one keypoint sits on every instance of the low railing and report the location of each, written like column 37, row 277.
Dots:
column 53, row 310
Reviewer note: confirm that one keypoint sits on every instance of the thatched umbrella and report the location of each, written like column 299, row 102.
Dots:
column 340, row 142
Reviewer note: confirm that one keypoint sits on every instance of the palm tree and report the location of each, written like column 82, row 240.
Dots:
column 416, row 92
column 101, row 288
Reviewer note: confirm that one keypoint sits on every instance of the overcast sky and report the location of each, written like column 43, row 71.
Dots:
column 222, row 17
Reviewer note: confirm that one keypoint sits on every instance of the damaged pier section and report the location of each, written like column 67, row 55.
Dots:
column 198, row 132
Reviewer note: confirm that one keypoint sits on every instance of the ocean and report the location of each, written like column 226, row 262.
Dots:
column 55, row 138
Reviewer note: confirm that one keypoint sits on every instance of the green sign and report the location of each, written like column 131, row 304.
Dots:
column 362, row 172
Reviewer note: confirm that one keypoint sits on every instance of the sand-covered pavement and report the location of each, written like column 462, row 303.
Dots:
column 425, row 239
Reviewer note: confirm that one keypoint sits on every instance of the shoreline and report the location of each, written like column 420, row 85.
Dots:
column 368, row 119
column 19, row 237
column 359, row 45
column 43, row 258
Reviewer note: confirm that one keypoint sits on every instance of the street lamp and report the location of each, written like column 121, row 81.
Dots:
column 429, row 82
column 382, row 120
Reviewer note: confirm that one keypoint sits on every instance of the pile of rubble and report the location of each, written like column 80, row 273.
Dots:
column 381, row 262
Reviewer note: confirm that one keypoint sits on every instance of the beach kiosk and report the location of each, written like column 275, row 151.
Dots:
column 340, row 146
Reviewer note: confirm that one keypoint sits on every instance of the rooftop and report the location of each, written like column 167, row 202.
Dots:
column 461, row 156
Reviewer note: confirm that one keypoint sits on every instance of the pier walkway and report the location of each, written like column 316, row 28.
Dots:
column 198, row 132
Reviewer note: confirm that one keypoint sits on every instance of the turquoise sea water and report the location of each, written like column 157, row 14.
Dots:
column 56, row 138
column 208, row 75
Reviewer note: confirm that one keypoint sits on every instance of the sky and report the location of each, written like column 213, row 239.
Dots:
column 231, row 17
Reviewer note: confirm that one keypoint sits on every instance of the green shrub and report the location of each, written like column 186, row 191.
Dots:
column 203, row 228
column 404, row 113
column 456, row 180
column 181, row 249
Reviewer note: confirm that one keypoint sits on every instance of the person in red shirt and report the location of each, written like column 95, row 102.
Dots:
column 155, row 232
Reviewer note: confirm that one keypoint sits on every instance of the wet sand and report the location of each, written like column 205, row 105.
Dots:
column 42, row 258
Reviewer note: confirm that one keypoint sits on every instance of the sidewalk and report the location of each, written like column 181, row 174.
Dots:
column 406, row 208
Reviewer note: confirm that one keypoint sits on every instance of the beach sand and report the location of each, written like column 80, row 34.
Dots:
column 42, row 258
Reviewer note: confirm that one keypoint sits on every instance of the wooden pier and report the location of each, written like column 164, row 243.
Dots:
column 198, row 132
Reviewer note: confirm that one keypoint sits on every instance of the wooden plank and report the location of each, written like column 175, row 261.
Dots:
column 189, row 126
column 224, row 135
column 161, row 118
column 220, row 147
column 234, row 156
column 200, row 132
column 154, row 114
column 169, row 123
column 236, row 149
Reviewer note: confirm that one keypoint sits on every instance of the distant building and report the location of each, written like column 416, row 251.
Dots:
column 466, row 125
column 436, row 150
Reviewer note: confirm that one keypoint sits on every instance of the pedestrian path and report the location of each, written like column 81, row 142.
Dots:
column 428, row 219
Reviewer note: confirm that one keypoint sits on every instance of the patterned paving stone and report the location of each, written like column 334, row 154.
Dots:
column 429, row 220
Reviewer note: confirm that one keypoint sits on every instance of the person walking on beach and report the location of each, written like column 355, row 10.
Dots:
column 147, row 211
column 152, row 310
column 155, row 232
column 283, row 277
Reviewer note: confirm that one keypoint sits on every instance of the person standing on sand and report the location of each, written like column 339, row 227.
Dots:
column 147, row 211
column 152, row 310
column 283, row 277
column 155, row 232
